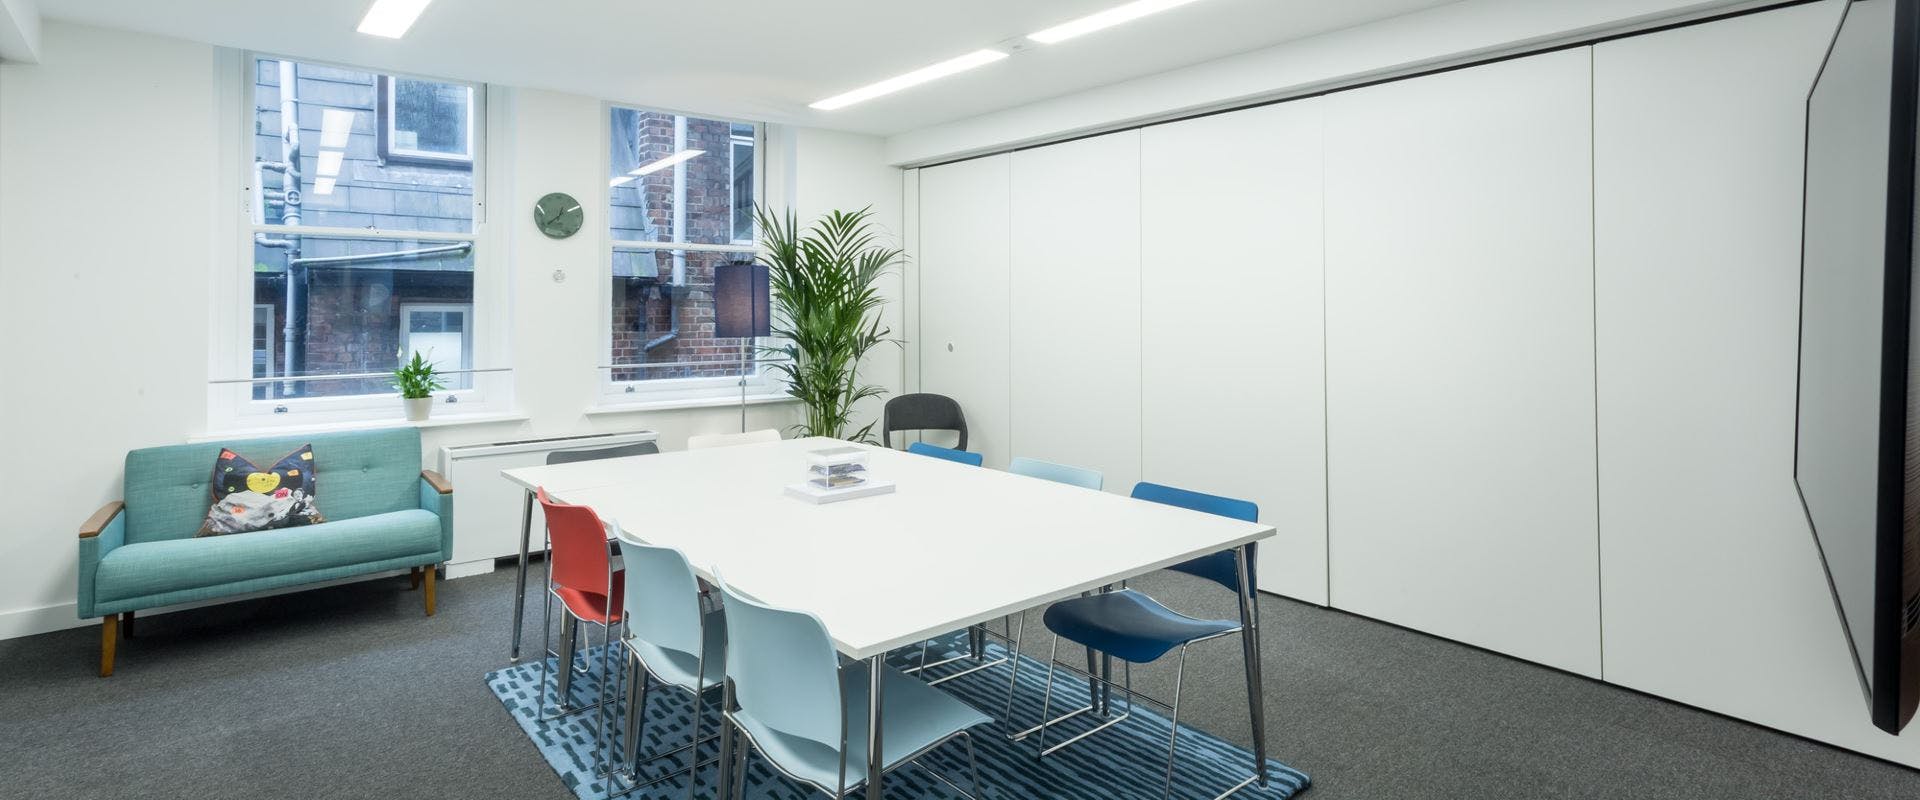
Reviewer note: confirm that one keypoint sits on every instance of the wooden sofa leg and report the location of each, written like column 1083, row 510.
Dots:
column 413, row 579
column 109, row 630
column 427, row 576
column 126, row 625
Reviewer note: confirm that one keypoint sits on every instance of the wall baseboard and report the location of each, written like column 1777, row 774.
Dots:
column 24, row 622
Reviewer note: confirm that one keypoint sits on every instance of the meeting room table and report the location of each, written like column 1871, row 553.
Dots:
column 951, row 547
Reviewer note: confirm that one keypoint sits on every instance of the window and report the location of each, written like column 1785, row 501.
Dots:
column 425, row 121
column 363, row 232
column 681, row 198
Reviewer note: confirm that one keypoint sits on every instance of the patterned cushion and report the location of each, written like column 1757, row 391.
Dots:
column 247, row 498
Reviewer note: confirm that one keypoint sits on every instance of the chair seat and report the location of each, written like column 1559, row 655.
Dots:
column 916, row 717
column 592, row 606
column 681, row 668
column 144, row 569
column 1129, row 625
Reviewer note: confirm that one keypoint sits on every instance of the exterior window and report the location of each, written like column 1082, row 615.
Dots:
column 364, row 228
column 441, row 333
column 681, row 191
column 425, row 121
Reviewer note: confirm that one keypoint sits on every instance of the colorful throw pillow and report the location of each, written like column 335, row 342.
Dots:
column 247, row 498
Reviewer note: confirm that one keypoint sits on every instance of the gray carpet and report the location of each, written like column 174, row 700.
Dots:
column 350, row 692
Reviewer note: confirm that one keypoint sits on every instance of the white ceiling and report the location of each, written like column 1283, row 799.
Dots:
column 749, row 59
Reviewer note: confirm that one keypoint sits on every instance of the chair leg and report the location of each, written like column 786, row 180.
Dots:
column 426, row 578
column 109, row 631
column 413, row 579
column 1013, row 681
column 1046, row 699
column 973, row 764
column 126, row 624
column 1173, row 738
column 638, row 684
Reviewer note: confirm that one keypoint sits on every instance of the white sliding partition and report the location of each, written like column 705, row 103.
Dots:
column 1076, row 305
column 1713, row 588
column 1460, row 357
column 1233, row 396
column 961, row 265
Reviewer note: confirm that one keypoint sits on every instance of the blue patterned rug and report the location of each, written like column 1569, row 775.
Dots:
column 1125, row 761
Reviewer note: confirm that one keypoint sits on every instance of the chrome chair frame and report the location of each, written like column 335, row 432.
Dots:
column 637, row 692
column 736, row 755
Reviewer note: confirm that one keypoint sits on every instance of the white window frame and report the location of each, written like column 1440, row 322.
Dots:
column 465, row 310
column 761, row 384
column 733, row 206
column 388, row 99
column 230, row 387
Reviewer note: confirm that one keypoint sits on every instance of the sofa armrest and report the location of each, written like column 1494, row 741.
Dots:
column 436, row 495
column 99, row 535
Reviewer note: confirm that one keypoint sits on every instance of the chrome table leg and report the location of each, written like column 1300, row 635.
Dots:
column 520, row 590
column 876, row 677
column 1250, row 647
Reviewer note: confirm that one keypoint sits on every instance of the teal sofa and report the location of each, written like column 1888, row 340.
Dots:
column 383, row 513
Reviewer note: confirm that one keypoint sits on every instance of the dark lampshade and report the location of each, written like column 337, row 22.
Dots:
column 740, row 301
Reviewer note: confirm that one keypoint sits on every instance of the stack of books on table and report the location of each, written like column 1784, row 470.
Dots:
column 838, row 473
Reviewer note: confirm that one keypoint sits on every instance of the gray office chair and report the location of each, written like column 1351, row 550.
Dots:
column 597, row 453
column 923, row 412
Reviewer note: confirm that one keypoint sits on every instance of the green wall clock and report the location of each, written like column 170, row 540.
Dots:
column 558, row 215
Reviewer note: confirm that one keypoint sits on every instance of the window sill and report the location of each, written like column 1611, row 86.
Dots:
column 681, row 403
column 436, row 421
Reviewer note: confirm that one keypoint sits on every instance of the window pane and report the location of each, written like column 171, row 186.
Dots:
column 341, row 304
column 667, row 323
column 329, row 126
column 673, row 178
column 430, row 118
column 743, row 190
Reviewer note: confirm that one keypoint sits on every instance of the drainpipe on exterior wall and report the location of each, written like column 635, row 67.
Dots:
column 294, row 337
column 679, row 201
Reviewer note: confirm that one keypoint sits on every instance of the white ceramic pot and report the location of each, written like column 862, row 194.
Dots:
column 418, row 408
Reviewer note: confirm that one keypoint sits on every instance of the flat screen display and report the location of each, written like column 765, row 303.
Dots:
column 1856, row 462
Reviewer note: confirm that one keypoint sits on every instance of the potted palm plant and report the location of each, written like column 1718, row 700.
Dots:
column 417, row 382
column 826, row 309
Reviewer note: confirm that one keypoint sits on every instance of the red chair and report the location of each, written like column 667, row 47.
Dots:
column 583, row 578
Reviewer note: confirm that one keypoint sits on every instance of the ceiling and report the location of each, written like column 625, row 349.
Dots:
column 750, row 59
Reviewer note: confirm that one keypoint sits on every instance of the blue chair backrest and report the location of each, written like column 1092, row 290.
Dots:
column 1219, row 567
column 948, row 453
column 1058, row 473
column 784, row 671
column 357, row 474
column 663, row 598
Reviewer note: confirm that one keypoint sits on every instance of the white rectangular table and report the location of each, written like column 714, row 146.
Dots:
column 953, row 546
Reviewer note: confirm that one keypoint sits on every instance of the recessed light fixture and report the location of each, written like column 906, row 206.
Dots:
column 1104, row 19
column 649, row 169
column 335, row 125
column 915, row 78
column 323, row 186
column 392, row 18
column 329, row 162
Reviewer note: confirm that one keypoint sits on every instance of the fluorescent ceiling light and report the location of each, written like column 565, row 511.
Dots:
column 335, row 125
column 1104, row 19
column 392, row 18
column 649, row 169
column 624, row 179
column 915, row 78
column 330, row 162
column 323, row 186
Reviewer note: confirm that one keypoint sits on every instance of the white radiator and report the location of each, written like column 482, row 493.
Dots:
column 486, row 508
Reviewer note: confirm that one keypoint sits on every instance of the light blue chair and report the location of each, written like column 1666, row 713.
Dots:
column 1137, row 629
column 807, row 715
column 670, row 639
column 1058, row 473
column 948, row 453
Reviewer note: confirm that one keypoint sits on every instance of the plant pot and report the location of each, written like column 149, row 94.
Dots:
column 418, row 408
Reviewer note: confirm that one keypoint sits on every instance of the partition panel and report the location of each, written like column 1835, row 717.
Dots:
column 1713, row 590
column 1460, row 386
column 963, row 286
column 1233, row 374
column 1076, row 305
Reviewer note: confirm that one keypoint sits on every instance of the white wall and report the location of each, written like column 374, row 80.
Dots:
column 1449, row 34
column 1713, row 591
column 107, row 326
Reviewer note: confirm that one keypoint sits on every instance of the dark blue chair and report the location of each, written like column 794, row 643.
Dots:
column 1137, row 629
column 948, row 453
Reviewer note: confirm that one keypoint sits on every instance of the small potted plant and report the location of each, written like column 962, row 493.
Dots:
column 417, row 382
